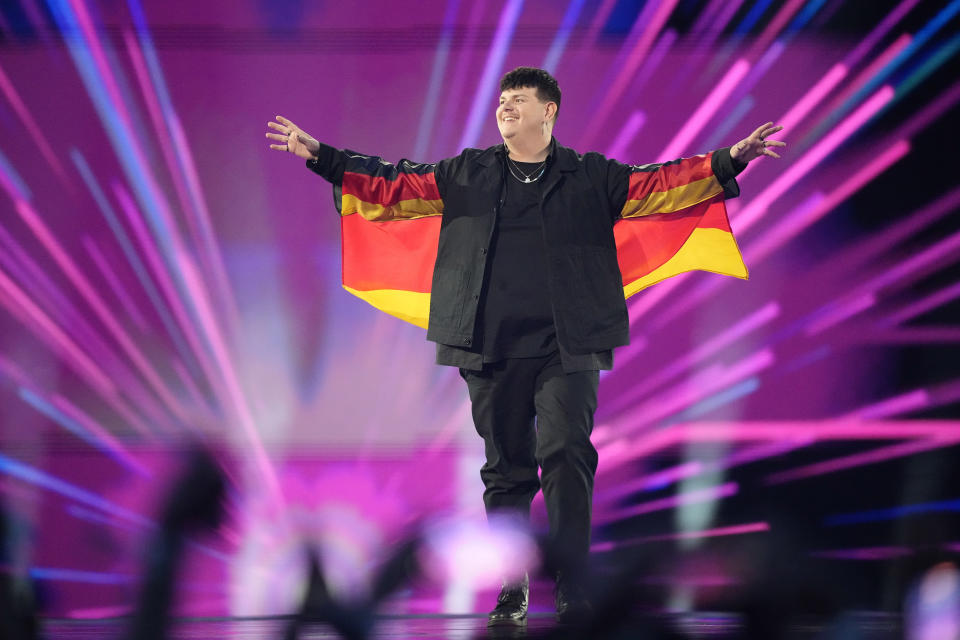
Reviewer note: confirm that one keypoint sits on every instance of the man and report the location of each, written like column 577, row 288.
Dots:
column 510, row 257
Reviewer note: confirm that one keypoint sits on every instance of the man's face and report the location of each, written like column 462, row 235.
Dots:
column 521, row 112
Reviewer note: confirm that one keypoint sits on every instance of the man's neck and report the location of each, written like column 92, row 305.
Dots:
column 535, row 150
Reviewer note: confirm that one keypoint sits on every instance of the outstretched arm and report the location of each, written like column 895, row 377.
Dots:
column 641, row 190
column 368, row 185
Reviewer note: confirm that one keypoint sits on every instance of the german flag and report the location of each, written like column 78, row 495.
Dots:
column 674, row 221
column 390, row 223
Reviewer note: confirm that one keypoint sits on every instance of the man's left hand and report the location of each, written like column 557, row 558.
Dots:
column 757, row 144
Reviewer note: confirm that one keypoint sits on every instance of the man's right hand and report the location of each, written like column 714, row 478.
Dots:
column 293, row 139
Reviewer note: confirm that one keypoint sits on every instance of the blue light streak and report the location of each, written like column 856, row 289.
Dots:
column 559, row 43
column 432, row 101
column 132, row 256
column 488, row 81
column 23, row 191
column 893, row 513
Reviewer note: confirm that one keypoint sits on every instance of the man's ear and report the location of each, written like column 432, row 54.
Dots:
column 551, row 111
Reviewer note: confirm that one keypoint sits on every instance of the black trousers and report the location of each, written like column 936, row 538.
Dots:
column 531, row 414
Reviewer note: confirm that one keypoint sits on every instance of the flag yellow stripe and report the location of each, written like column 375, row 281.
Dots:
column 706, row 250
column 410, row 306
column 404, row 209
column 673, row 199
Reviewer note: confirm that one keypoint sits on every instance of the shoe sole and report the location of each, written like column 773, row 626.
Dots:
column 507, row 622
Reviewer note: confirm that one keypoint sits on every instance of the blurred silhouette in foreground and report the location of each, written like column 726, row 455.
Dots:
column 195, row 504
column 353, row 620
column 18, row 618
column 775, row 589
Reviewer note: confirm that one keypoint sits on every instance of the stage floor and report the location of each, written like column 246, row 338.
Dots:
column 859, row 625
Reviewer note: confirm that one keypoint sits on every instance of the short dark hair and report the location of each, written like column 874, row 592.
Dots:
column 546, row 85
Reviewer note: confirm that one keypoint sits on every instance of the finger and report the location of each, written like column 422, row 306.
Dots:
column 279, row 147
column 290, row 124
column 770, row 131
column 759, row 130
column 277, row 136
column 768, row 152
column 277, row 126
column 775, row 143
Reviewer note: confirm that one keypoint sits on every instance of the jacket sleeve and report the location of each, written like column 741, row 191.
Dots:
column 378, row 190
column 642, row 190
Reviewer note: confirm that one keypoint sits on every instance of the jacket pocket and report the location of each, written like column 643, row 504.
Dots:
column 447, row 297
column 598, row 306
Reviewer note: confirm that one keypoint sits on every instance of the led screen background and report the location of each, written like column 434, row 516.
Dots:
column 166, row 277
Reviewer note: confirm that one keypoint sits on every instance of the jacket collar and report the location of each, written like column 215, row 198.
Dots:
column 562, row 158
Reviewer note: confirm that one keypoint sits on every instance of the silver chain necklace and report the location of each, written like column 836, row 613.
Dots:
column 540, row 170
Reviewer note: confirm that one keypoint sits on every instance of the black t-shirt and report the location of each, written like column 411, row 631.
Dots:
column 516, row 320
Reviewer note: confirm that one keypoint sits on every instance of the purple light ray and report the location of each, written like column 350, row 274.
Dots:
column 835, row 313
column 432, row 98
column 945, row 249
column 37, row 321
column 194, row 392
column 931, row 112
column 92, row 44
column 134, row 160
column 829, row 143
column 932, row 433
column 910, row 335
column 198, row 216
column 640, row 305
column 108, row 274
column 60, row 342
column 705, row 18
column 626, row 135
column 653, row 62
column 11, row 181
column 689, row 469
column 231, row 381
column 155, row 262
column 488, row 80
column 717, row 532
column 34, row 129
column 652, row 481
column 709, row 494
column 703, row 45
column 881, row 454
column 160, row 130
column 100, row 308
column 705, row 384
column 40, row 478
column 925, row 304
column 31, row 275
column 868, row 43
column 812, row 210
column 202, row 214
column 49, row 297
column 778, row 22
column 100, row 433
column 681, row 141
column 811, row 99
column 864, row 553
column 598, row 22
column 704, row 350
column 634, row 59
column 891, row 52
column 871, row 249
column 559, row 44
column 901, row 403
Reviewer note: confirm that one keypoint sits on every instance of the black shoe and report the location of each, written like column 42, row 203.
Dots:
column 512, row 604
column 573, row 606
